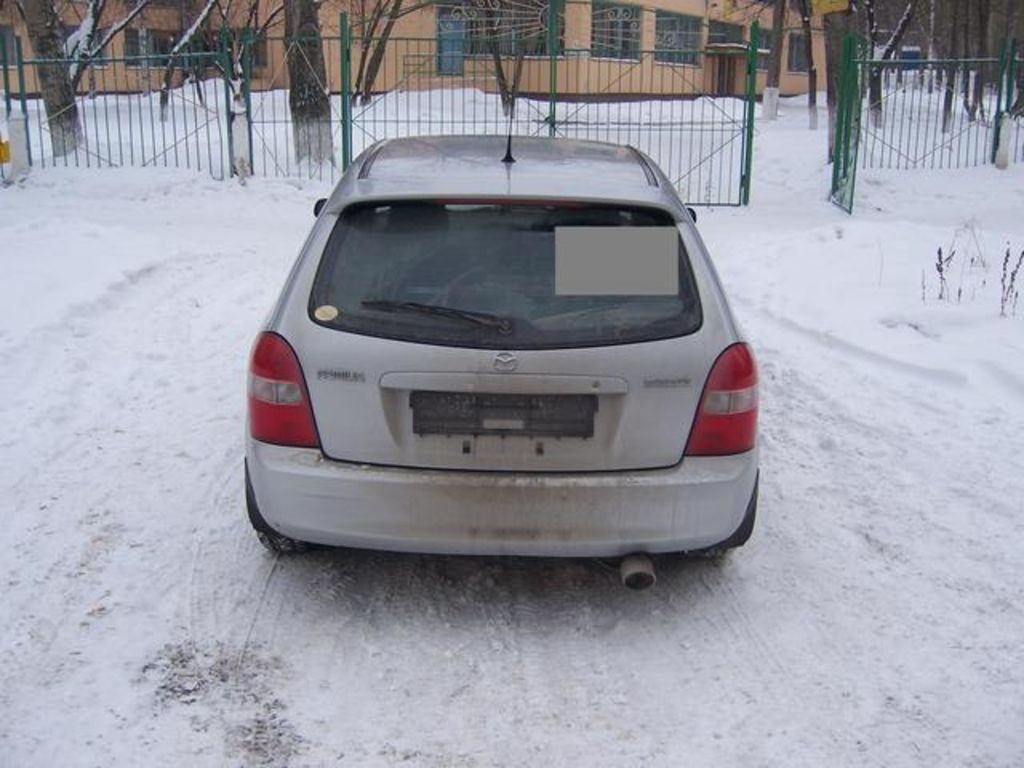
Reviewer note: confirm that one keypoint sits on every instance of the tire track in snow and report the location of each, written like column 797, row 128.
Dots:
column 846, row 453
column 138, row 410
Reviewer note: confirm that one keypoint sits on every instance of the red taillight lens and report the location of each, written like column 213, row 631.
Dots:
column 279, row 410
column 727, row 418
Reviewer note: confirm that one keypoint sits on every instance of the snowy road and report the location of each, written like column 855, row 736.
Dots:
column 875, row 619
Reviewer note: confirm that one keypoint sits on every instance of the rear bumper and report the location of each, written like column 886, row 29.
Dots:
column 697, row 504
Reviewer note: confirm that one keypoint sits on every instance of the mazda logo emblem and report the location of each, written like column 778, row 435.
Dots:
column 505, row 362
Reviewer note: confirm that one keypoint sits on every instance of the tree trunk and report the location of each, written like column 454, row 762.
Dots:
column 307, row 78
column 43, row 24
column 977, row 108
column 874, row 72
column 812, row 69
column 770, row 102
column 949, row 86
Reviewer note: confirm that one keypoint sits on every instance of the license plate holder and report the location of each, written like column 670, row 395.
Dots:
column 461, row 413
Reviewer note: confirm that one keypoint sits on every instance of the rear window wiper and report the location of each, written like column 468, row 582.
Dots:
column 502, row 324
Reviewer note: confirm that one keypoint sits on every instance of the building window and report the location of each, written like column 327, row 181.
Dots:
column 7, row 39
column 614, row 31
column 677, row 38
column 508, row 27
column 797, row 59
column 134, row 44
column 720, row 33
column 161, row 43
column 451, row 40
column 154, row 44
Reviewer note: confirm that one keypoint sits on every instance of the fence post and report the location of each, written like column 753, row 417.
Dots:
column 552, row 63
column 249, row 42
column 226, row 68
column 748, row 113
column 346, row 92
column 847, row 131
column 842, row 112
column 1002, row 84
column 7, row 77
column 17, row 127
column 19, row 59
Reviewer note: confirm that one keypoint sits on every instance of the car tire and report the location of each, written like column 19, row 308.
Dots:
column 739, row 537
column 275, row 542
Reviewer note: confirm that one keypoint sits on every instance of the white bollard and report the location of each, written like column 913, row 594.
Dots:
column 17, row 134
column 1003, row 147
column 770, row 104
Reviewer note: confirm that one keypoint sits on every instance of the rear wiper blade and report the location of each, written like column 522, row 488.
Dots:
column 502, row 324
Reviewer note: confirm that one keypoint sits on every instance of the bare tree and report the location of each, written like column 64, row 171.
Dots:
column 888, row 51
column 950, row 74
column 374, row 21
column 512, row 30
column 977, row 48
column 812, row 67
column 235, row 29
column 184, row 42
column 68, row 61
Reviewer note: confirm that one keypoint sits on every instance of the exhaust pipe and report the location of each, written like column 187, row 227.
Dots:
column 637, row 572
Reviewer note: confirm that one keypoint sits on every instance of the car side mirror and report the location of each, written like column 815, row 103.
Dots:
column 693, row 213
column 319, row 206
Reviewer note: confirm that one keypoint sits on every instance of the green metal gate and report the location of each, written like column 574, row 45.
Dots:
column 141, row 111
column 847, row 130
column 935, row 114
column 525, row 82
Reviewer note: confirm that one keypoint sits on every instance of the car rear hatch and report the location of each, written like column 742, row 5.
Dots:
column 480, row 336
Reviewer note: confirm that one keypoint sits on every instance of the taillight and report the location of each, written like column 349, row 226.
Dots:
column 726, row 420
column 279, row 409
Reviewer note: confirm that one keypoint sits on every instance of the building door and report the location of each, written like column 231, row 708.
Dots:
column 451, row 42
column 724, row 75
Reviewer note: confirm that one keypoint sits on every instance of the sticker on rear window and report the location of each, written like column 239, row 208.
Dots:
column 616, row 261
column 326, row 313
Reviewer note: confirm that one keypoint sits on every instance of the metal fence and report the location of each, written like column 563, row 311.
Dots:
column 701, row 141
column 931, row 114
column 143, row 111
column 690, row 106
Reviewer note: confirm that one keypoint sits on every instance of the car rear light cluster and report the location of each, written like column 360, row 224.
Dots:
column 726, row 421
column 279, row 408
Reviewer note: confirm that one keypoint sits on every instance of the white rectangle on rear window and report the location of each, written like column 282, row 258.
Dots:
column 616, row 261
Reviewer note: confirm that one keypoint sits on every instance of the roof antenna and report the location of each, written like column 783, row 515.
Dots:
column 508, row 150
column 508, row 159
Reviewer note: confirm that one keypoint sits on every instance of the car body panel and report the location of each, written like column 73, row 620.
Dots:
column 696, row 504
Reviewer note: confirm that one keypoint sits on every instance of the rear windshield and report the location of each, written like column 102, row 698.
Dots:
column 519, row 276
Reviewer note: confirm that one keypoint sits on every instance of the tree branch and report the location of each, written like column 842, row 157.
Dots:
column 272, row 18
column 82, row 46
column 900, row 31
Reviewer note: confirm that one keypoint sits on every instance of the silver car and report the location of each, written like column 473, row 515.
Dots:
column 499, row 349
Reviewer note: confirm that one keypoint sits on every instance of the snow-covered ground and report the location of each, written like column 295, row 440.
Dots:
column 875, row 618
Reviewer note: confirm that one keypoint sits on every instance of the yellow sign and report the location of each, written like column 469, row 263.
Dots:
column 830, row 6
column 5, row 152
